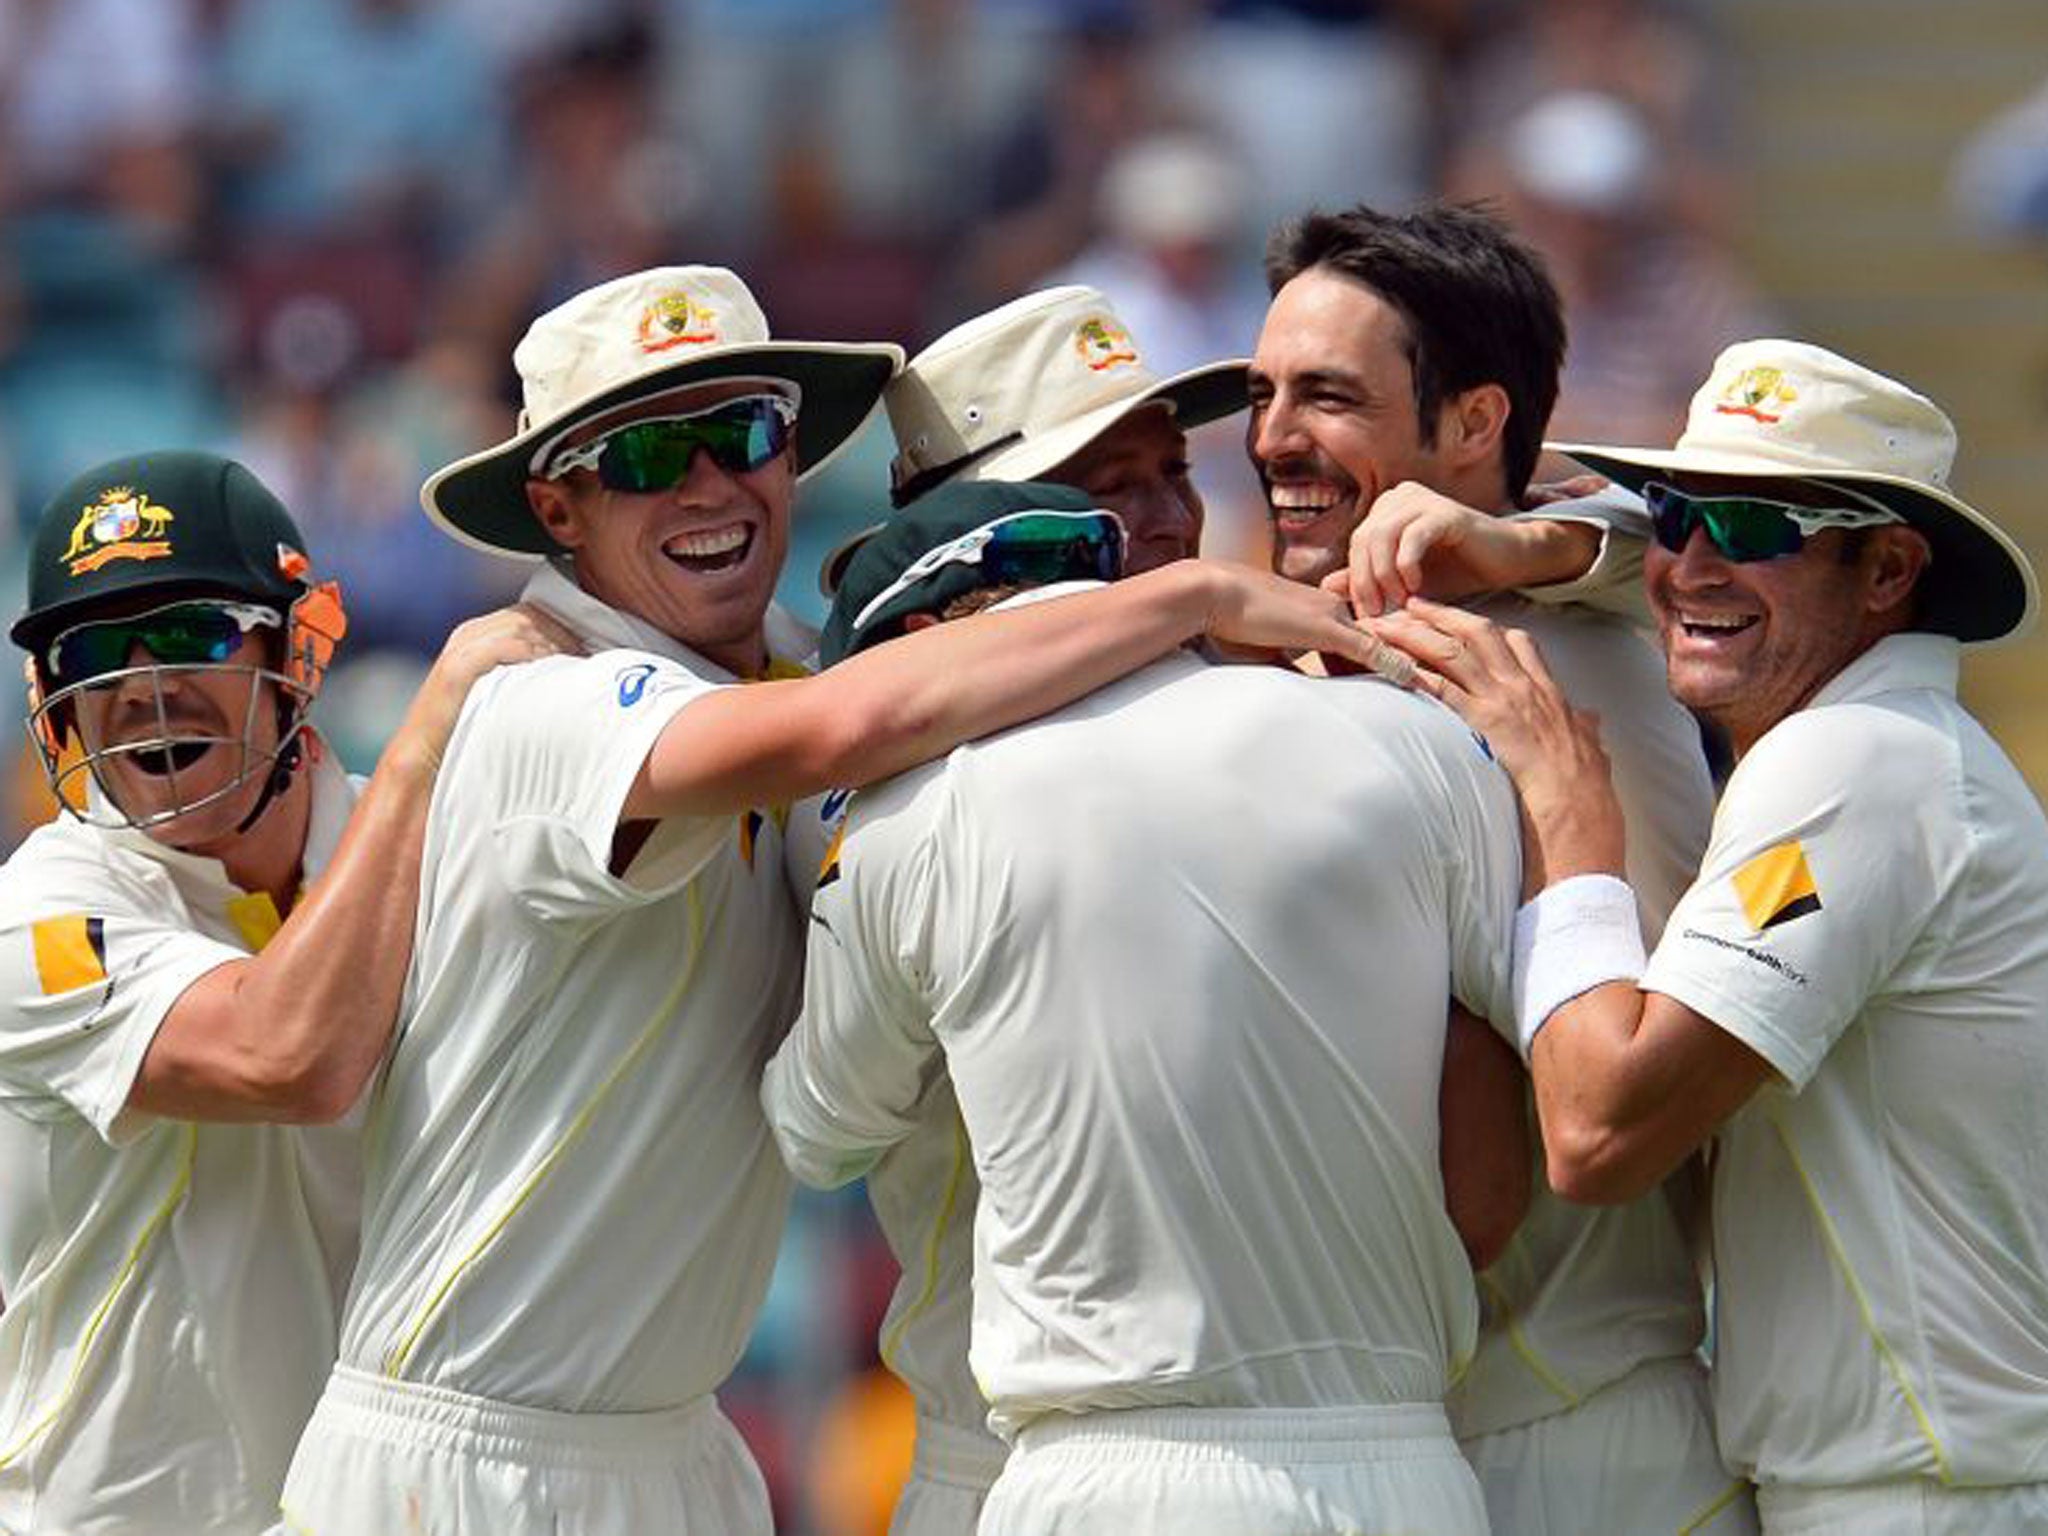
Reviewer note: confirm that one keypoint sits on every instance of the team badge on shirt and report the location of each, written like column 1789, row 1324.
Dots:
column 1776, row 886
column 71, row 952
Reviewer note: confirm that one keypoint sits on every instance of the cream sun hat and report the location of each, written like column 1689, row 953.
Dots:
column 1788, row 410
column 1013, row 393
column 630, row 338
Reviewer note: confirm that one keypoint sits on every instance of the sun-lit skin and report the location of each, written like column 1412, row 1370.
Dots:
column 699, row 561
column 1333, row 422
column 1748, row 643
column 208, row 708
column 1138, row 469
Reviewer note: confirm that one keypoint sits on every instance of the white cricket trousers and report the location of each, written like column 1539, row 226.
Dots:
column 1636, row 1458
column 1388, row 1471
column 1912, row 1506
column 950, row 1476
column 383, row 1457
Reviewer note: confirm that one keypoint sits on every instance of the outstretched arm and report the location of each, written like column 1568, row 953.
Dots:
column 292, row 1034
column 1417, row 541
column 1628, row 1083
column 914, row 698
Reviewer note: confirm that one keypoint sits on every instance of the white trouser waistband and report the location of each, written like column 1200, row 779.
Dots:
column 411, row 1413
column 1389, row 1432
column 1789, row 1509
column 956, row 1455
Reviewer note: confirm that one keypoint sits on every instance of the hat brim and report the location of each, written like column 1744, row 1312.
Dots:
column 1198, row 396
column 1979, row 587
column 481, row 500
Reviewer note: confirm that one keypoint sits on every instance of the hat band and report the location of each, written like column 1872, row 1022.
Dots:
column 916, row 485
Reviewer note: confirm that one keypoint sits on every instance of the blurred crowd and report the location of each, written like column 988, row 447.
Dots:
column 307, row 233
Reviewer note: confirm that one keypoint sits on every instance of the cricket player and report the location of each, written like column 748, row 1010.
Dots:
column 572, row 1199
column 1399, row 391
column 1054, row 387
column 1185, row 951
column 1851, row 998
column 200, row 962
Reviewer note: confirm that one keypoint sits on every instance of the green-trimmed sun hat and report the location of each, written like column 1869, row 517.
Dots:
column 170, row 523
column 1791, row 411
column 636, row 336
column 958, row 539
column 1012, row 394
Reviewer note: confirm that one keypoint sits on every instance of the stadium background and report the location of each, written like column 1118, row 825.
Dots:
column 308, row 232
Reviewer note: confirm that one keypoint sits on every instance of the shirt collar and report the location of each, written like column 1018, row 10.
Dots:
column 1911, row 660
column 604, row 627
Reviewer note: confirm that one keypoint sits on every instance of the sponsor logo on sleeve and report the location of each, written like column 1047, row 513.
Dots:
column 633, row 683
column 1776, row 886
column 71, row 952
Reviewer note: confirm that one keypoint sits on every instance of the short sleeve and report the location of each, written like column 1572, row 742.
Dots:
column 847, row 1081
column 545, row 757
column 83, row 990
column 1832, row 851
column 1613, row 583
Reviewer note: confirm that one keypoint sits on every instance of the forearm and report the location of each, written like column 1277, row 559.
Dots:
column 913, row 698
column 294, row 1033
column 1486, row 1157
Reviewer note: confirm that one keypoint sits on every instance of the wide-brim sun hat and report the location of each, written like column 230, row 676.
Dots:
column 626, row 340
column 1014, row 393
column 1791, row 411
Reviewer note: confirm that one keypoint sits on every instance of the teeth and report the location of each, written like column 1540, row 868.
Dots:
column 703, row 546
column 1718, row 623
column 1303, row 498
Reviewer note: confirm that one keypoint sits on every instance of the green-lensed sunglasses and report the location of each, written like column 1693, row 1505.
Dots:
column 1746, row 528
column 653, row 454
column 178, row 634
column 1023, row 549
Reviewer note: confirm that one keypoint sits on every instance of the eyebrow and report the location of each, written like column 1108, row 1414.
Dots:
column 1315, row 378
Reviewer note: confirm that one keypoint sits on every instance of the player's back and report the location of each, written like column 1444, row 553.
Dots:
column 1193, row 941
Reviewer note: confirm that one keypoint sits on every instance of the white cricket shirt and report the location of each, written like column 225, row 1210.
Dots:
column 1584, row 1295
column 172, row 1288
column 1186, row 945
column 1872, row 919
column 573, row 1201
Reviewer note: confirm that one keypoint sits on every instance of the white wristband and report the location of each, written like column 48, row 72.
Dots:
column 1570, row 938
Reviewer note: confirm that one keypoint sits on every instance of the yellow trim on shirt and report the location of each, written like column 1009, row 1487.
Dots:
column 71, row 952
column 129, row 1265
column 255, row 917
column 963, row 1159
column 1944, row 1474
column 1524, row 1350
column 396, row 1360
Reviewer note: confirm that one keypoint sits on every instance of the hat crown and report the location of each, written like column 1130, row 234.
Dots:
column 171, row 519
column 634, row 325
column 1805, row 410
column 1026, row 369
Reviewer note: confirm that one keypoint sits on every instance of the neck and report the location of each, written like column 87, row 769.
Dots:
column 270, row 856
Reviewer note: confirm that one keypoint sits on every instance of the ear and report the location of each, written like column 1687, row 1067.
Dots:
column 1898, row 555
column 556, row 510
column 1470, row 428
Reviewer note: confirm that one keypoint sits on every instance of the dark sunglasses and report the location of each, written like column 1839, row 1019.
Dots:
column 178, row 634
column 1746, row 528
column 1026, row 549
column 654, row 454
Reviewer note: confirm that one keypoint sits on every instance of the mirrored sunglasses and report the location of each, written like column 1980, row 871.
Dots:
column 1027, row 549
column 178, row 634
column 1746, row 528
column 654, row 454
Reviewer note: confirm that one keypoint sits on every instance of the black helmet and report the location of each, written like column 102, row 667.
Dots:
column 171, row 522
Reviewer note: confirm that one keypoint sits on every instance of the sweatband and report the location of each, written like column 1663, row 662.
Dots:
column 1570, row 938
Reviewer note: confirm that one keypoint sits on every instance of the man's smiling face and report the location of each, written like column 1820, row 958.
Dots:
column 1333, row 417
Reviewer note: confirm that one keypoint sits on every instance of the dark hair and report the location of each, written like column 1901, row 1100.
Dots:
column 1478, row 305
